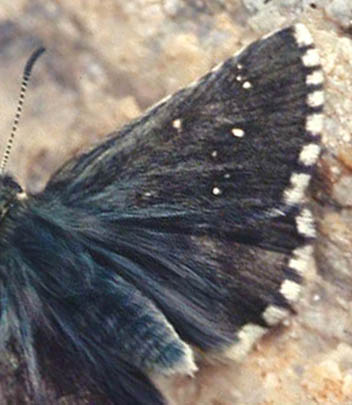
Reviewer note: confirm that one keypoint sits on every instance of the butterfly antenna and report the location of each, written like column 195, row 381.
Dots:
column 26, row 75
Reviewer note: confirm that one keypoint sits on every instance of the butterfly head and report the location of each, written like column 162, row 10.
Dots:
column 10, row 190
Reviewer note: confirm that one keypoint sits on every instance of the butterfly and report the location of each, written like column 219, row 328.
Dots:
column 187, row 231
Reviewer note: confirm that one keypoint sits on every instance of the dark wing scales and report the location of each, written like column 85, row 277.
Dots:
column 68, row 306
column 198, row 207
column 202, row 187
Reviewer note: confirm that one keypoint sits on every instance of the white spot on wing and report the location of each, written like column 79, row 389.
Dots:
column 177, row 124
column 302, row 35
column 315, row 99
column 316, row 77
column 247, row 336
column 311, row 58
column 237, row 132
column 299, row 183
column 309, row 154
column 216, row 191
column 247, row 85
column 300, row 258
column 274, row 314
column 290, row 290
column 214, row 154
column 305, row 223
column 314, row 124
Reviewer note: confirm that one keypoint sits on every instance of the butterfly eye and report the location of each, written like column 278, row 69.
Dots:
column 9, row 192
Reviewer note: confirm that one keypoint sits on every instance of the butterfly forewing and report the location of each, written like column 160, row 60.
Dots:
column 209, row 181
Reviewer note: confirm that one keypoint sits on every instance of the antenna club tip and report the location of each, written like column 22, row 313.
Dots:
column 40, row 50
column 32, row 59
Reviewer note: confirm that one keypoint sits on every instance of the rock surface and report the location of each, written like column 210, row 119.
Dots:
column 108, row 61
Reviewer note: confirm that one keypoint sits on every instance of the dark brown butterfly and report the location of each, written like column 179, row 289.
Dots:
column 186, row 229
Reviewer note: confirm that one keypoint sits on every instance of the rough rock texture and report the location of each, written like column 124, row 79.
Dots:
column 106, row 62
